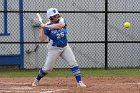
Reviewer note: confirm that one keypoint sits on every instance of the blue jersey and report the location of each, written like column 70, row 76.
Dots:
column 57, row 37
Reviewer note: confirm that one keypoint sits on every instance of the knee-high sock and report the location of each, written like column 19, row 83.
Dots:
column 76, row 72
column 41, row 74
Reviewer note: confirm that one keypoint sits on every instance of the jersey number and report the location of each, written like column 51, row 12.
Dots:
column 60, row 35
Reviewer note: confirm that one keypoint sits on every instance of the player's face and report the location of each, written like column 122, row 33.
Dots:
column 55, row 18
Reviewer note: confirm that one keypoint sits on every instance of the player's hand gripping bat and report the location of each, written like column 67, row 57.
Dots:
column 39, row 21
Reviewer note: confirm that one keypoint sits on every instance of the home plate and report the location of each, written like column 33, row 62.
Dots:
column 21, row 88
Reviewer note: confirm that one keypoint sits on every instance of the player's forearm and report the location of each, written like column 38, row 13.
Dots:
column 54, row 26
column 42, row 36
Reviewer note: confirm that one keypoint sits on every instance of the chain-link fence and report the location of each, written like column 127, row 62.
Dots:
column 96, row 42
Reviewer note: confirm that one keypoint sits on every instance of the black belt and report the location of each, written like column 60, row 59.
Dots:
column 59, row 45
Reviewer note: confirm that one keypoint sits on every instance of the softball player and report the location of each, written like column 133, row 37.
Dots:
column 58, row 45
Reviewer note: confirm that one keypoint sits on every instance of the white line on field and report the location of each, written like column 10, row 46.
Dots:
column 3, row 88
column 51, row 90
column 114, row 83
column 12, row 91
column 134, row 83
column 21, row 88
column 11, row 83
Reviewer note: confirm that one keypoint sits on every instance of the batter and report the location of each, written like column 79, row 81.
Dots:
column 55, row 30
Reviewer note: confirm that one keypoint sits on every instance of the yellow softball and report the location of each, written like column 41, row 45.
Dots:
column 127, row 24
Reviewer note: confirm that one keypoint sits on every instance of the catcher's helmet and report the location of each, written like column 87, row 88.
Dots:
column 52, row 12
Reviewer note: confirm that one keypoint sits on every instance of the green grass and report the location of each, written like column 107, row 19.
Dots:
column 68, row 73
column 112, row 72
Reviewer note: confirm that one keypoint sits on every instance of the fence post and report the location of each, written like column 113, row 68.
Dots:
column 21, row 34
column 106, row 34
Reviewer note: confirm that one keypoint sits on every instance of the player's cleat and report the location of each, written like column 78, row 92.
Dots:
column 81, row 84
column 35, row 83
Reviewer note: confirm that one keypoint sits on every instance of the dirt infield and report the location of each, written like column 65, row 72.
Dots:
column 67, row 85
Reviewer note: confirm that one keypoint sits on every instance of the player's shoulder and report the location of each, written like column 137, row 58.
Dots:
column 61, row 19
